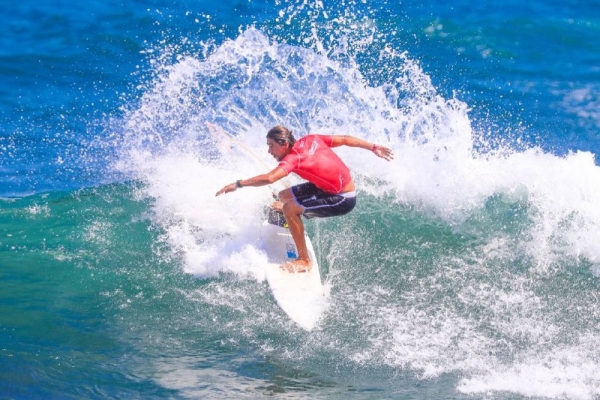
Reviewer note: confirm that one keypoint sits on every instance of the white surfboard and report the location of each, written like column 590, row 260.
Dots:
column 300, row 295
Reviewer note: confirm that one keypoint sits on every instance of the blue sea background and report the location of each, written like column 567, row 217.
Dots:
column 470, row 267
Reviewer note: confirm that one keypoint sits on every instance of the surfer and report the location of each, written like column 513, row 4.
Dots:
column 329, row 191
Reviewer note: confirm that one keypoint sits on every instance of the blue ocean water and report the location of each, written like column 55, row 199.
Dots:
column 469, row 269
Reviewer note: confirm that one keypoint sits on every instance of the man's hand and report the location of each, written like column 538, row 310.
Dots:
column 226, row 189
column 383, row 152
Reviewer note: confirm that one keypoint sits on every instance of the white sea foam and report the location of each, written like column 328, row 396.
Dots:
column 201, row 124
column 565, row 372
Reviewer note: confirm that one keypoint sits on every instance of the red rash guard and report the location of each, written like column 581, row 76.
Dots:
column 312, row 159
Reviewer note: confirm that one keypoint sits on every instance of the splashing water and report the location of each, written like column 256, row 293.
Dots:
column 457, row 260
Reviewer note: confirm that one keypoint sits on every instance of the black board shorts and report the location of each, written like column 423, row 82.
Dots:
column 320, row 204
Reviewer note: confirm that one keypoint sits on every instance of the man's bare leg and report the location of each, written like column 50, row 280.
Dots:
column 292, row 213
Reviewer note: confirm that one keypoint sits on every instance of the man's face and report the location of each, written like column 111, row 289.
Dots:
column 276, row 150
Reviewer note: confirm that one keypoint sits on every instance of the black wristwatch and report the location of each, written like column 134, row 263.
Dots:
column 238, row 184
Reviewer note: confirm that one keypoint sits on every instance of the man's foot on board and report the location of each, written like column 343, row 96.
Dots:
column 277, row 206
column 296, row 266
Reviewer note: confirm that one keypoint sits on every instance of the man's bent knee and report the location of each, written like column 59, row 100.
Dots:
column 285, row 195
column 290, row 207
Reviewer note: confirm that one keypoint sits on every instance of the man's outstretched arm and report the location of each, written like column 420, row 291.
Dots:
column 259, row 180
column 347, row 140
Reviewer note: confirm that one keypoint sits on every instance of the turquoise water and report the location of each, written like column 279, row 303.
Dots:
column 469, row 268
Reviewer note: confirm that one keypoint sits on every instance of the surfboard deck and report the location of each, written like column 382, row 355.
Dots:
column 300, row 295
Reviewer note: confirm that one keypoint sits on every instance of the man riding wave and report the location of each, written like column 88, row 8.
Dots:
column 329, row 191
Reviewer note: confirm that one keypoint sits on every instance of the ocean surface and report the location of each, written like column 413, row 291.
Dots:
column 470, row 268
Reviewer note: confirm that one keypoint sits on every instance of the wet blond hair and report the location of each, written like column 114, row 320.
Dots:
column 281, row 135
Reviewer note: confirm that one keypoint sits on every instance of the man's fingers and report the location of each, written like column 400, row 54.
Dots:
column 385, row 153
column 226, row 189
